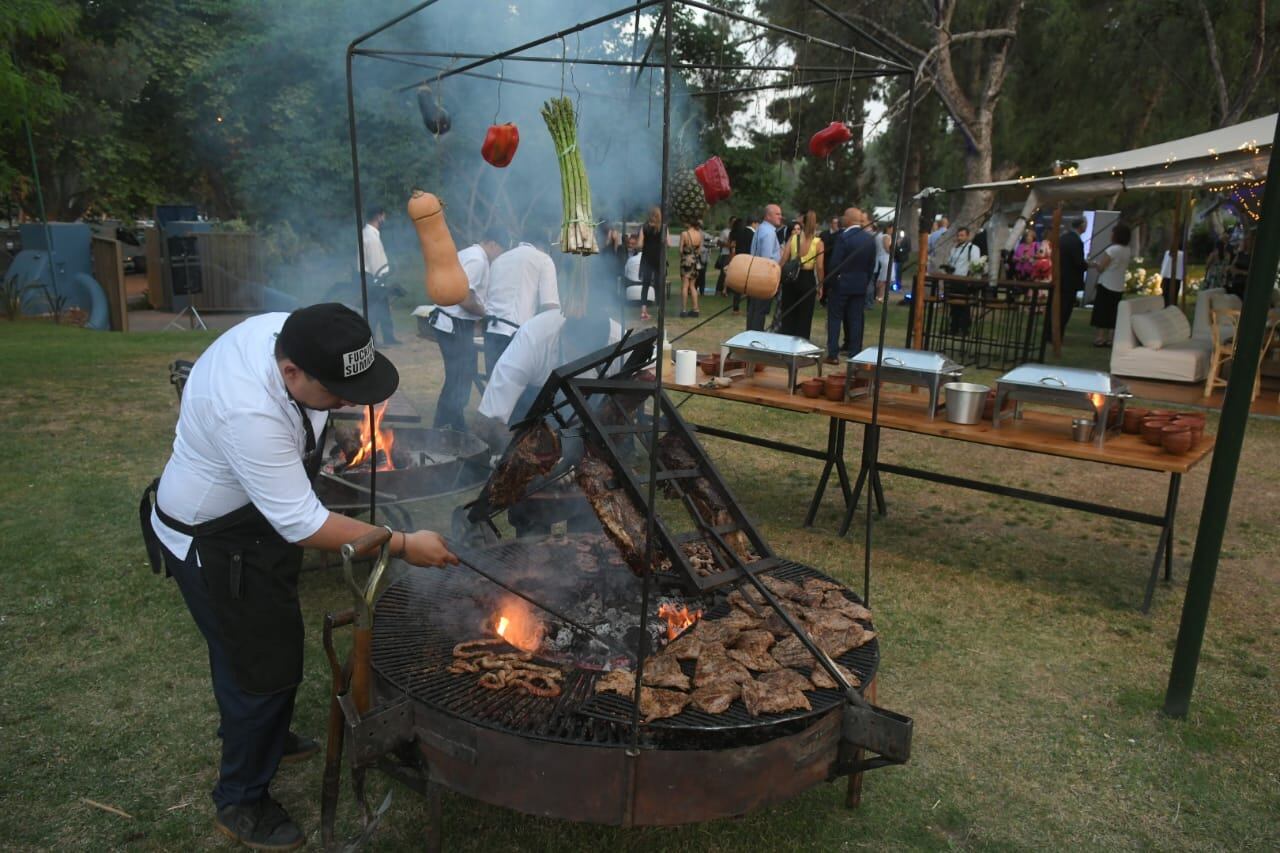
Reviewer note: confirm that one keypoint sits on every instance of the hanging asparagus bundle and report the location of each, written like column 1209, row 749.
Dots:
column 578, row 233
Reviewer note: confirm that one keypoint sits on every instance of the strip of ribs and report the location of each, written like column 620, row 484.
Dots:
column 676, row 455
column 623, row 523
column 532, row 454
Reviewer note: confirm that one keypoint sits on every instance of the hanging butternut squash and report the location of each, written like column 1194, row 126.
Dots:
column 446, row 282
column 751, row 275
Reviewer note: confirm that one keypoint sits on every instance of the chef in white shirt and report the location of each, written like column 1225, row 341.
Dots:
column 455, row 328
column 522, row 284
column 232, row 513
column 377, row 275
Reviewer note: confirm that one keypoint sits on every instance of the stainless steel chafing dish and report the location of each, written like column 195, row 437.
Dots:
column 1069, row 387
column 902, row 367
column 773, row 349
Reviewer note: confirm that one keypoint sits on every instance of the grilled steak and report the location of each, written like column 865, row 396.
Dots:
column 835, row 600
column 749, row 601
column 821, row 678
column 781, row 588
column 656, row 704
column 739, row 620
column 756, row 642
column 819, row 619
column 713, row 631
column 790, row 652
column 763, row 699
column 532, row 454
column 619, row 517
column 620, row 681
column 715, row 665
column 716, row 697
column 820, row 585
column 664, row 671
column 785, row 679
column 755, row 661
column 685, row 647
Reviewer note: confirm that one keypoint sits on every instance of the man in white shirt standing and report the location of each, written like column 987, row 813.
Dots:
column 377, row 269
column 765, row 245
column 963, row 255
column 522, row 284
column 232, row 513
column 455, row 327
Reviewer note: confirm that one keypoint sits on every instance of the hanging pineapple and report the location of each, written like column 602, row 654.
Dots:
column 688, row 203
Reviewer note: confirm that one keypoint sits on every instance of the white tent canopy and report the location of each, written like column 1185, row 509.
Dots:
column 1216, row 159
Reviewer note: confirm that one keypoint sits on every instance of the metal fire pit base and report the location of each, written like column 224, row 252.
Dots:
column 612, row 786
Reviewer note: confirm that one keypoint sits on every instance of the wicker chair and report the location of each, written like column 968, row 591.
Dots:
column 1224, row 351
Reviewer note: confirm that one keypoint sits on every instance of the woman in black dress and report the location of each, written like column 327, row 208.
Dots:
column 653, row 242
column 799, row 296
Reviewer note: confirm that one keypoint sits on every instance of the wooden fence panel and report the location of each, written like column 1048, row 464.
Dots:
column 108, row 269
column 232, row 271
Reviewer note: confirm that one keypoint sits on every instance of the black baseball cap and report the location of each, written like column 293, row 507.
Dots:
column 334, row 345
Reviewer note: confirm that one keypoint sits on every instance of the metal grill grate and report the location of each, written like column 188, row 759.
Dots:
column 412, row 652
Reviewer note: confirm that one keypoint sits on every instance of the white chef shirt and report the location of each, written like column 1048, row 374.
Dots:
column 375, row 257
column 475, row 263
column 240, row 439
column 631, row 269
column 533, row 353
column 520, row 280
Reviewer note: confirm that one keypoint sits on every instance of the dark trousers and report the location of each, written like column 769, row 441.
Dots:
column 458, row 350
column 252, row 726
column 1169, row 287
column 380, row 312
column 847, row 310
column 757, row 313
column 494, row 346
column 1067, row 301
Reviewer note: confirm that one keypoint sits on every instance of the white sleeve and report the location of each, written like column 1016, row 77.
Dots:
column 475, row 268
column 511, row 375
column 262, row 453
column 548, row 290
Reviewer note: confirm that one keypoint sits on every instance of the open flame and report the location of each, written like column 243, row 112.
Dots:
column 679, row 618
column 386, row 440
column 1097, row 400
column 516, row 623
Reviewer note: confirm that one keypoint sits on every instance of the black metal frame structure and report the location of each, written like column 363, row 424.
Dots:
column 858, row 716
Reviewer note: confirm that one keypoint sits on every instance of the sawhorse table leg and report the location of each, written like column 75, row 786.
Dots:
column 870, row 438
column 835, row 459
column 1164, row 547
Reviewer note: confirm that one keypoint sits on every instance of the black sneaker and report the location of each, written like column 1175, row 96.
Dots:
column 263, row 825
column 298, row 748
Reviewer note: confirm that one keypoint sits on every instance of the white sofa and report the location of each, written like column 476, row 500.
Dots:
column 1184, row 360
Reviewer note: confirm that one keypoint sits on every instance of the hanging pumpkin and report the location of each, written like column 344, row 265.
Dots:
column 714, row 180
column 500, row 144
column 831, row 137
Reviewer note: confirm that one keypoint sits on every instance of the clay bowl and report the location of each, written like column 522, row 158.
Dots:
column 812, row 388
column 1195, row 423
column 1176, row 439
column 710, row 364
column 833, row 388
column 735, row 364
column 1133, row 420
column 1166, row 414
column 1151, row 428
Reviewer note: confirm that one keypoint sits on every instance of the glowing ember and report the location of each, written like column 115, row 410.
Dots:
column 517, row 624
column 1097, row 400
column 679, row 619
column 386, row 440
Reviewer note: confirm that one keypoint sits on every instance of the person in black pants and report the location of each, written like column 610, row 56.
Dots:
column 455, row 329
column 740, row 238
column 1072, row 267
column 653, row 247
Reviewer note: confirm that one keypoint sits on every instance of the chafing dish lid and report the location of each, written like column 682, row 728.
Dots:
column 1065, row 378
column 909, row 359
column 773, row 343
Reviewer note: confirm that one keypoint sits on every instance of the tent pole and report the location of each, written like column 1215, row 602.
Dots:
column 1175, row 243
column 1055, row 297
column 1226, row 456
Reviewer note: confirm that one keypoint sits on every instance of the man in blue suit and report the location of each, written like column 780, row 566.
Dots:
column 851, row 271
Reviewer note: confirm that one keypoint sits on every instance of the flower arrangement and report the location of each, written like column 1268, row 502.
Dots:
column 978, row 267
column 1141, row 281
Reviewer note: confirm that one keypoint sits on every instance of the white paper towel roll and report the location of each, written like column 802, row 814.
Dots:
column 686, row 367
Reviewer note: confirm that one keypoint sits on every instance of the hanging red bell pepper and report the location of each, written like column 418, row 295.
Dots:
column 714, row 179
column 822, row 143
column 500, row 144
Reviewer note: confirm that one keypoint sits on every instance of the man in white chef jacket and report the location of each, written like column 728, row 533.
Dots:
column 377, row 270
column 522, row 284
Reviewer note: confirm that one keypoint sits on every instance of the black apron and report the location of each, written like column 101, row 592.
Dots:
column 251, row 574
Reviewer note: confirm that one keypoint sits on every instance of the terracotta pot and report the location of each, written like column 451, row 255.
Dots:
column 813, row 387
column 1113, row 418
column 1133, row 420
column 1196, row 424
column 1166, row 414
column 734, row 364
column 1176, row 439
column 710, row 364
column 833, row 388
column 1151, row 428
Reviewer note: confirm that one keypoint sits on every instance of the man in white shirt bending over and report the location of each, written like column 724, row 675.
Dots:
column 522, row 284
column 455, row 327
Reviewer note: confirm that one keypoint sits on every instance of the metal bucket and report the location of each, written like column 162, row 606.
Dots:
column 965, row 401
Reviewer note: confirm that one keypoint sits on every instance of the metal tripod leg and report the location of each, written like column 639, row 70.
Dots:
column 835, row 459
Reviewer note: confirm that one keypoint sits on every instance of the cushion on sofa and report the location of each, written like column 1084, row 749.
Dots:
column 1158, row 329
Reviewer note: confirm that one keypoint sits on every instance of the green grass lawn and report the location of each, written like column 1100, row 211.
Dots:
column 1010, row 633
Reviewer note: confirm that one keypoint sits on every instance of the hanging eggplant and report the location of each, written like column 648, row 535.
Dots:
column 434, row 116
